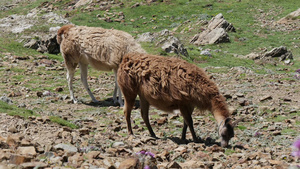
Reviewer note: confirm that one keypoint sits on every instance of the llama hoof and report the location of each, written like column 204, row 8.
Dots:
column 95, row 101
column 72, row 101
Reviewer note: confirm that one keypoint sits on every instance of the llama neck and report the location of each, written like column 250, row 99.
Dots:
column 219, row 108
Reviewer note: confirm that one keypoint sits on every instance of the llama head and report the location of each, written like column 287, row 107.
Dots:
column 226, row 131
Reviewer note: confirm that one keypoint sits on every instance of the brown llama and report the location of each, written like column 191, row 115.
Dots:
column 102, row 48
column 170, row 84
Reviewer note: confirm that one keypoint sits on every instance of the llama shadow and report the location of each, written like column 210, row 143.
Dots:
column 207, row 142
column 108, row 103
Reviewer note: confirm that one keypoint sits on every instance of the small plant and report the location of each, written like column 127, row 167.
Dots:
column 297, row 75
column 146, row 159
column 296, row 147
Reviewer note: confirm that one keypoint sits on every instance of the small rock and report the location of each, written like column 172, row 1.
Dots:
column 276, row 162
column 206, row 53
column 6, row 99
column 26, row 151
column 19, row 159
column 276, row 133
column 25, row 142
column 76, row 160
column 15, row 94
column 215, row 148
column 189, row 164
column 266, row 97
column 59, row 89
column 12, row 129
column 66, row 147
column 118, row 144
column 39, row 94
column 147, row 139
column 84, row 131
column 181, row 149
column 129, row 163
column 162, row 121
column 174, row 164
column 34, row 165
column 92, row 155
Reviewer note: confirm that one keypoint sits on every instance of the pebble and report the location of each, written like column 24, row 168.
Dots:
column 66, row 147
column 118, row 144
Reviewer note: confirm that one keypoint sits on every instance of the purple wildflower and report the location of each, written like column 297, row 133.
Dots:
column 146, row 167
column 298, row 71
column 150, row 154
column 257, row 134
column 296, row 146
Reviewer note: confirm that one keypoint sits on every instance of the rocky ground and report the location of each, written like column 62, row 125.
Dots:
column 268, row 105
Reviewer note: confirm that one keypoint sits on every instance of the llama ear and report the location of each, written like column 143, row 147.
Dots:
column 236, row 122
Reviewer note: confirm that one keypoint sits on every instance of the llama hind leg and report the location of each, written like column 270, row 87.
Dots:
column 118, row 91
column 129, row 103
column 83, row 73
column 145, row 115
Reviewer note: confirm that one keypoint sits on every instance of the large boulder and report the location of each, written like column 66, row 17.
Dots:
column 290, row 17
column 215, row 36
column 215, row 33
column 281, row 53
column 44, row 44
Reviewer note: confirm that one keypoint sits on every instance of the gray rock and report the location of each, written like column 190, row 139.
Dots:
column 147, row 37
column 205, row 53
column 173, row 45
column 266, row 97
column 219, row 22
column 280, row 52
column 45, row 44
column 214, row 36
column 66, row 147
column 6, row 99
column 216, row 32
column 32, row 44
column 118, row 144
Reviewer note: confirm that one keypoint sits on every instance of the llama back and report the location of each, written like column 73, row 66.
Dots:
column 105, row 45
column 168, row 80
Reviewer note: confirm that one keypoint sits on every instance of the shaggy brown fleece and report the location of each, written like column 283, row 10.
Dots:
column 169, row 84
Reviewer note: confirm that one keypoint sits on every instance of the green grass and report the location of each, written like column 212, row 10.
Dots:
column 168, row 15
column 62, row 122
column 290, row 132
column 242, row 127
column 13, row 110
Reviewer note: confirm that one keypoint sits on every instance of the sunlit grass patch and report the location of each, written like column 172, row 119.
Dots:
column 13, row 110
column 63, row 122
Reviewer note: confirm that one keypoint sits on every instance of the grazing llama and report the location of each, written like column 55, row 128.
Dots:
column 170, row 84
column 102, row 48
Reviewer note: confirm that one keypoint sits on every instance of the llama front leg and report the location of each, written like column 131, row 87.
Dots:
column 70, row 75
column 84, row 72
column 186, row 112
